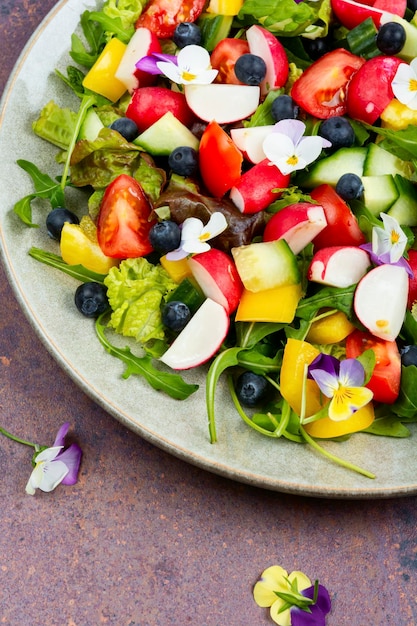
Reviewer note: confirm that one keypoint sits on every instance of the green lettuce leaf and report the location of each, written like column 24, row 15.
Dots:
column 55, row 124
column 136, row 291
column 286, row 18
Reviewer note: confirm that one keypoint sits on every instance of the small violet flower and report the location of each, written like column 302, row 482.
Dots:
column 190, row 66
column 404, row 84
column 288, row 150
column 342, row 381
column 388, row 244
column 55, row 465
column 194, row 235
column 292, row 599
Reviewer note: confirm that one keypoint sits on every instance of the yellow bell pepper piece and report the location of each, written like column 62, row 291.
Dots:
column 330, row 329
column 225, row 7
column 326, row 428
column 178, row 270
column 298, row 354
column 271, row 305
column 101, row 77
column 79, row 246
column 398, row 115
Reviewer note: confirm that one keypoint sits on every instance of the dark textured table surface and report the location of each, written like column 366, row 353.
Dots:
column 146, row 539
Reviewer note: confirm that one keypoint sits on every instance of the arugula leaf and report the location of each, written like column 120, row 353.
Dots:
column 402, row 143
column 251, row 333
column 95, row 38
column 328, row 297
column 172, row 384
column 259, row 363
column 223, row 360
column 406, row 404
column 45, row 187
column 389, row 426
column 113, row 25
column 79, row 272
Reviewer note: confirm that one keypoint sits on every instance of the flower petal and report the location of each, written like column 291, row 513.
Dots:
column 49, row 454
column 61, row 434
column 72, row 459
column 53, row 474
column 280, row 151
column 282, row 618
column 272, row 579
column 309, row 148
column 323, row 597
column 347, row 400
column 351, row 373
column 303, row 581
column 194, row 59
column 170, row 70
column 294, row 129
column 216, row 225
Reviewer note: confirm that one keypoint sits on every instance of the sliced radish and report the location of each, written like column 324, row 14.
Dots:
column 265, row 45
column 221, row 102
column 255, row 190
column 200, row 339
column 297, row 223
column 218, row 278
column 142, row 43
column 249, row 141
column 381, row 300
column 338, row 266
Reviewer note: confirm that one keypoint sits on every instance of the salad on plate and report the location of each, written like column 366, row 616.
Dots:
column 251, row 205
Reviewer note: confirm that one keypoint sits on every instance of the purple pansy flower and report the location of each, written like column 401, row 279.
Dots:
column 388, row 244
column 316, row 614
column 190, row 66
column 342, row 381
column 55, row 465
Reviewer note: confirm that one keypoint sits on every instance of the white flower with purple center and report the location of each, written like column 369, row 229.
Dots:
column 388, row 244
column 194, row 235
column 190, row 66
column 55, row 465
column 289, row 150
column 404, row 84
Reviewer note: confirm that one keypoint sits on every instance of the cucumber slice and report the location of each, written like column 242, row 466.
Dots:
column 214, row 28
column 380, row 193
column 329, row 169
column 165, row 135
column 404, row 209
column 266, row 264
column 91, row 126
column 379, row 161
column 408, row 51
column 188, row 292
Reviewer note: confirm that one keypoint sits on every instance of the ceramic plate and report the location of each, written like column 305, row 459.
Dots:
column 180, row 428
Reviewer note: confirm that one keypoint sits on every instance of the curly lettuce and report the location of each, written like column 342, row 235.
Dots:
column 137, row 291
column 285, row 18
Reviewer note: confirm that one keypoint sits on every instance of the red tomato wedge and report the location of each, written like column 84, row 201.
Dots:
column 224, row 57
column 123, row 222
column 369, row 92
column 350, row 13
column 342, row 226
column 386, row 377
column 220, row 161
column 321, row 88
column 163, row 16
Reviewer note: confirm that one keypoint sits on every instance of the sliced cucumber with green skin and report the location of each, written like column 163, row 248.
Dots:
column 379, row 161
column 408, row 51
column 267, row 264
column 165, row 135
column 91, row 126
column 329, row 169
column 214, row 28
column 379, row 193
column 188, row 292
column 404, row 209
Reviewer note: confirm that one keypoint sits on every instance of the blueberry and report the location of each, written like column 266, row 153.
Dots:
column 339, row 131
column 91, row 299
column 391, row 38
column 56, row 219
column 315, row 48
column 250, row 69
column 183, row 161
column 176, row 315
column 126, row 127
column 349, row 187
column 251, row 388
column 412, row 5
column 187, row 34
column 408, row 355
column 165, row 236
column 284, row 108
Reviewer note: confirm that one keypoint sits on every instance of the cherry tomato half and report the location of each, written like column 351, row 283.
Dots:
column 342, row 226
column 123, row 222
column 224, row 57
column 320, row 90
column 163, row 16
column 219, row 159
column 386, row 377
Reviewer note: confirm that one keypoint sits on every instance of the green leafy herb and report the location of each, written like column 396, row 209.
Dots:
column 79, row 272
column 171, row 384
column 45, row 188
column 286, row 18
